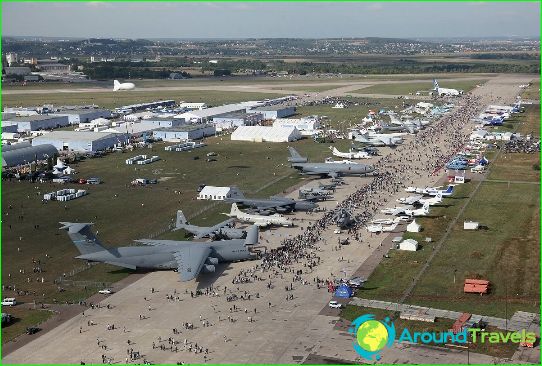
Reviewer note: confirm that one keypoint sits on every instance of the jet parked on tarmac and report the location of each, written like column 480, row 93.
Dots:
column 273, row 203
column 332, row 170
column 187, row 257
column 218, row 231
column 259, row 220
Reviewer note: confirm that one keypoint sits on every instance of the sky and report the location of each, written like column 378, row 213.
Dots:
column 270, row 20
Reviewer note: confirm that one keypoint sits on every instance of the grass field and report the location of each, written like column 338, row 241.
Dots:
column 110, row 99
column 407, row 88
column 533, row 91
column 395, row 274
column 23, row 318
column 343, row 118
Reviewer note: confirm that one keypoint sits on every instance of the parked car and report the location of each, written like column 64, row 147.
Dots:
column 94, row 180
column 32, row 330
column 334, row 304
column 106, row 291
column 9, row 301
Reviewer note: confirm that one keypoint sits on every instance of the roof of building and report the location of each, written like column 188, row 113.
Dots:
column 75, row 136
column 80, row 111
column 17, row 146
column 276, row 107
column 27, row 154
column 213, row 191
column 36, row 117
column 236, row 115
column 185, row 128
column 215, row 111
column 265, row 133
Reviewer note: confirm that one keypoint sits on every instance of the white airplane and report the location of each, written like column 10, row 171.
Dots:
column 432, row 201
column 410, row 200
column 424, row 211
column 122, row 86
column 444, row 193
column 445, row 91
column 394, row 210
column 424, row 191
column 379, row 228
column 349, row 155
column 259, row 220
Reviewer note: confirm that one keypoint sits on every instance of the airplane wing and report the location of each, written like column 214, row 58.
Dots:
column 190, row 260
column 206, row 231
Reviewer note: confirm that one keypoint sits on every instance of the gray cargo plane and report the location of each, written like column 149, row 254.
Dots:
column 188, row 258
column 273, row 203
column 332, row 170
column 218, row 231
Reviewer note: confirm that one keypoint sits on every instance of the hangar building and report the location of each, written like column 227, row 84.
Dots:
column 25, row 154
column 83, row 115
column 38, row 122
column 186, row 132
column 81, row 141
column 265, row 134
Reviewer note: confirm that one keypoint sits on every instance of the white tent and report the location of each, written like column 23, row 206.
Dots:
column 414, row 227
column 265, row 134
column 409, row 244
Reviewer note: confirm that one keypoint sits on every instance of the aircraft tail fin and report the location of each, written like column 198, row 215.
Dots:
column 450, row 189
column 252, row 235
column 181, row 220
column 116, row 85
column 295, row 157
column 234, row 210
column 82, row 237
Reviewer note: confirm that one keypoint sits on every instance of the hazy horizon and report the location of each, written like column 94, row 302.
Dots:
column 237, row 20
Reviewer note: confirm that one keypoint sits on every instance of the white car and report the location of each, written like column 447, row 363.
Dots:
column 9, row 301
column 334, row 304
column 337, row 231
column 106, row 291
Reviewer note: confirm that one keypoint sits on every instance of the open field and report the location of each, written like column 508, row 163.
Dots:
column 533, row 91
column 110, row 99
column 407, row 88
column 394, row 274
column 507, row 254
column 530, row 120
column 346, row 117
column 23, row 318
column 504, row 350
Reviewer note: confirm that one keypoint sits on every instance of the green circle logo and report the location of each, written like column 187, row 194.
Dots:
column 372, row 335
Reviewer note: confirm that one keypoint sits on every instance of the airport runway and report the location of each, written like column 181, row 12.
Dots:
column 282, row 331
column 343, row 87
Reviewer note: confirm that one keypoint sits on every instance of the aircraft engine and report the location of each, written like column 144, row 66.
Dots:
column 208, row 268
column 212, row 260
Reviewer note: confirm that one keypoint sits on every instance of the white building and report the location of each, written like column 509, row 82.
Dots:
column 308, row 126
column 410, row 245
column 265, row 134
column 218, row 193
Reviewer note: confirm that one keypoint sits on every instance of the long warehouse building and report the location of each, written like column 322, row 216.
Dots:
column 82, row 141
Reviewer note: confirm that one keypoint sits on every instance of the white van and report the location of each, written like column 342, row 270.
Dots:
column 9, row 301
